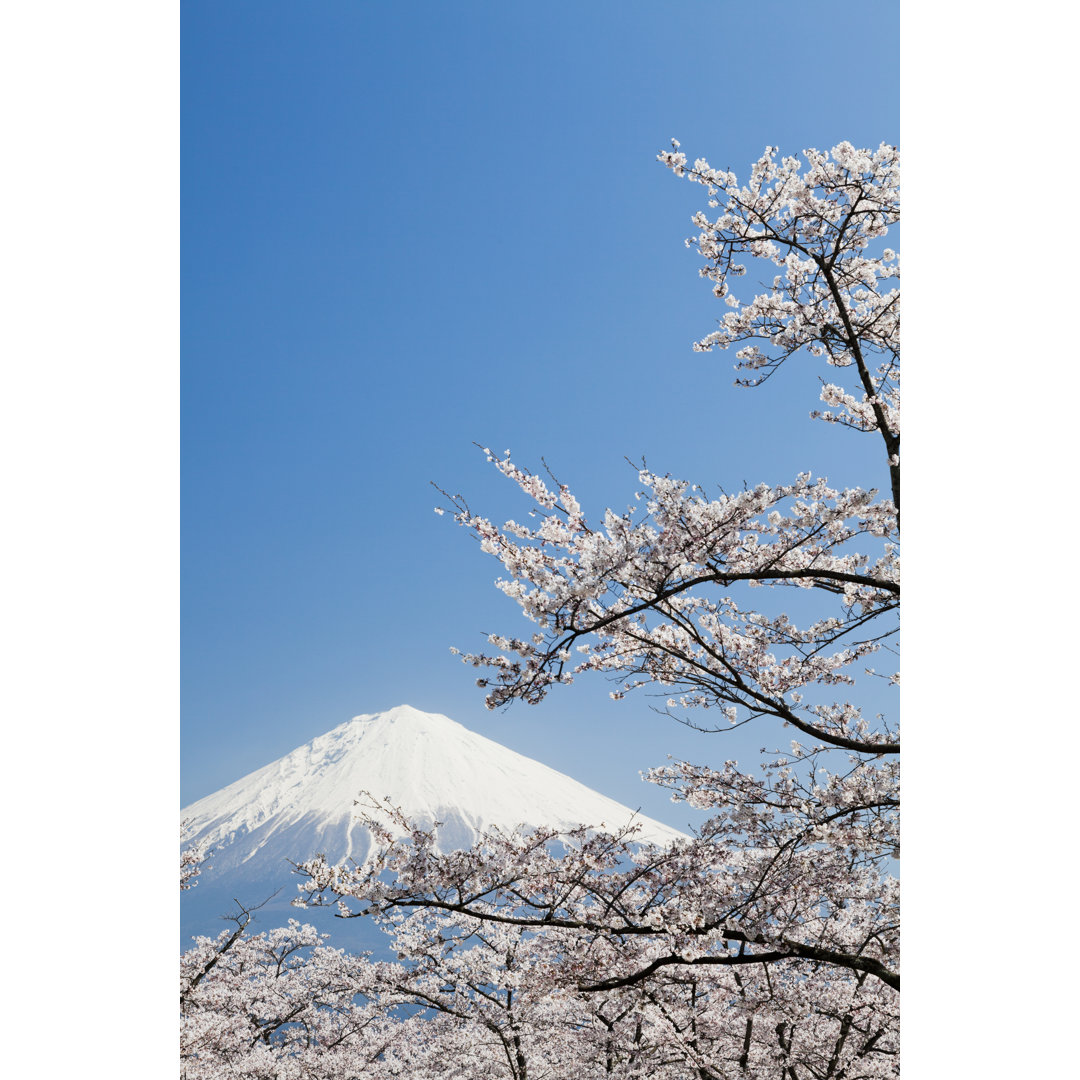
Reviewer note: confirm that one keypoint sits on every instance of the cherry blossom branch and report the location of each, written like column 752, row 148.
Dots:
column 791, row 950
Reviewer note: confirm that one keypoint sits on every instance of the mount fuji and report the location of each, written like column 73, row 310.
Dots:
column 428, row 765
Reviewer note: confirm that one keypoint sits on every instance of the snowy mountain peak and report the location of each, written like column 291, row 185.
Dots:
column 430, row 766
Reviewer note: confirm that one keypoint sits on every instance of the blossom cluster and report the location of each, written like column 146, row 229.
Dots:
column 191, row 860
column 650, row 596
column 821, row 222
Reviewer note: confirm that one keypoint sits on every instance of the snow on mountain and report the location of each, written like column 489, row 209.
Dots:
column 430, row 766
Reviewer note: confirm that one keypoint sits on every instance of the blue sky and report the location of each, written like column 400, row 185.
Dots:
column 405, row 228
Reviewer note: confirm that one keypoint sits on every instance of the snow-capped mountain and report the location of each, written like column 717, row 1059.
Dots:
column 430, row 766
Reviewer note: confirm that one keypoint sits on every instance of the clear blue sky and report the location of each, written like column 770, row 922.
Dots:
column 408, row 227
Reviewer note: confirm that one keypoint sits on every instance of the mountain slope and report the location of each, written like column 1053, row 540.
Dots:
column 427, row 764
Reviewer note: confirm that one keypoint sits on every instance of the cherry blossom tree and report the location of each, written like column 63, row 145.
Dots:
column 712, row 935
column 767, row 944
column 653, row 597
column 488, row 978
column 280, row 1003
